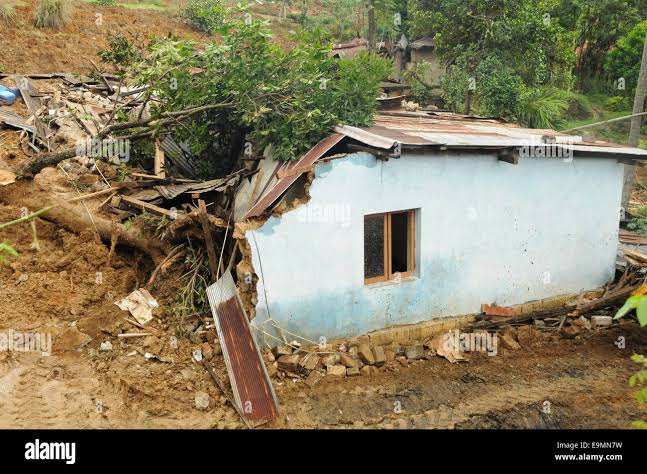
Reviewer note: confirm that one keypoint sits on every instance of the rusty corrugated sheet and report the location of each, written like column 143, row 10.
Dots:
column 250, row 383
column 282, row 184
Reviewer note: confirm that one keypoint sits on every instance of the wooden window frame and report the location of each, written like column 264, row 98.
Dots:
column 411, row 246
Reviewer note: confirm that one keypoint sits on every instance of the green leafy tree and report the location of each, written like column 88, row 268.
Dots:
column 208, row 16
column 256, row 91
column 598, row 25
column 624, row 60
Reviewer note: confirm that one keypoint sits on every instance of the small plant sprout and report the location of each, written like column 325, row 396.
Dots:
column 6, row 250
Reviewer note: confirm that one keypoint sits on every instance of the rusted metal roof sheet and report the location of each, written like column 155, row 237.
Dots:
column 434, row 129
column 250, row 383
column 298, row 168
column 351, row 49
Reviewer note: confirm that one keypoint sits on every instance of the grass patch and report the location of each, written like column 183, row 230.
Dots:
column 7, row 14
column 52, row 13
column 155, row 5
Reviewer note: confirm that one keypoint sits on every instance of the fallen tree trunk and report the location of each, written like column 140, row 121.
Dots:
column 74, row 217
column 148, row 125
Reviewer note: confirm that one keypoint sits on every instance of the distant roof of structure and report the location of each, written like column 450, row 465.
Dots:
column 350, row 49
column 426, row 42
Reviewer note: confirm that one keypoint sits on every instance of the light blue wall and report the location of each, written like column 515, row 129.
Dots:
column 488, row 231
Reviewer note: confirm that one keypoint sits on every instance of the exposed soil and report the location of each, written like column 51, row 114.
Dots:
column 580, row 383
column 40, row 50
column 549, row 383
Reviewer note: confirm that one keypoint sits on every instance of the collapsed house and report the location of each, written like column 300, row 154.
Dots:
column 425, row 216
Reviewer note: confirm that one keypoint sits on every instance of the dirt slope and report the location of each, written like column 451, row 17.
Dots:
column 28, row 49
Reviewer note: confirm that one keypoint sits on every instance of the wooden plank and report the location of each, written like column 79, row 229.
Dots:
column 208, row 239
column 33, row 105
column 145, row 206
column 159, row 167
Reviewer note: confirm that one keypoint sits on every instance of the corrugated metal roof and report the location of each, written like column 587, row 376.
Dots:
column 250, row 383
column 282, row 184
column 435, row 130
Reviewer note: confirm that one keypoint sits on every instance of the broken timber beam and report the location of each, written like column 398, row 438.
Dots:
column 145, row 206
column 208, row 239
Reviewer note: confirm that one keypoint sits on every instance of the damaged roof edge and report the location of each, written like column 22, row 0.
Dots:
column 415, row 132
column 299, row 166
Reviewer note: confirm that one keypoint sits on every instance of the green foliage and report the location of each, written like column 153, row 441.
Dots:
column 624, row 60
column 597, row 24
column 639, row 379
column 617, row 103
column 106, row 3
column 52, row 13
column 291, row 99
column 7, row 14
column 421, row 92
column 208, row 16
column 121, row 52
column 515, row 31
column 6, row 250
column 542, row 107
column 637, row 302
column 638, row 224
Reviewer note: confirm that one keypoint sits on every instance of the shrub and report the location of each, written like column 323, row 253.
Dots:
column 205, row 15
column 7, row 14
column 421, row 91
column 106, row 3
column 52, row 13
column 542, row 107
column 617, row 103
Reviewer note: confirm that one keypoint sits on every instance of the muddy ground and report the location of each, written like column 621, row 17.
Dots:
column 549, row 383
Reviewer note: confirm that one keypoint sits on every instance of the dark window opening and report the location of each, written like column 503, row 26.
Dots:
column 389, row 245
column 399, row 242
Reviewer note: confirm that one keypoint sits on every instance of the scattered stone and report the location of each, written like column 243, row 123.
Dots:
column 601, row 321
column 88, row 179
column 289, row 362
column 202, row 401
column 271, row 370
column 105, row 346
column 217, row 350
column 353, row 371
column 347, row 361
column 309, row 361
column 330, row 359
column 338, row 370
column 366, row 370
column 582, row 322
column 525, row 335
column 508, row 342
column 415, row 352
column 22, row 278
column 540, row 323
column 380, row 356
column 269, row 356
column 390, row 356
column 314, row 378
column 572, row 331
column 207, row 350
column 281, row 351
column 365, row 354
